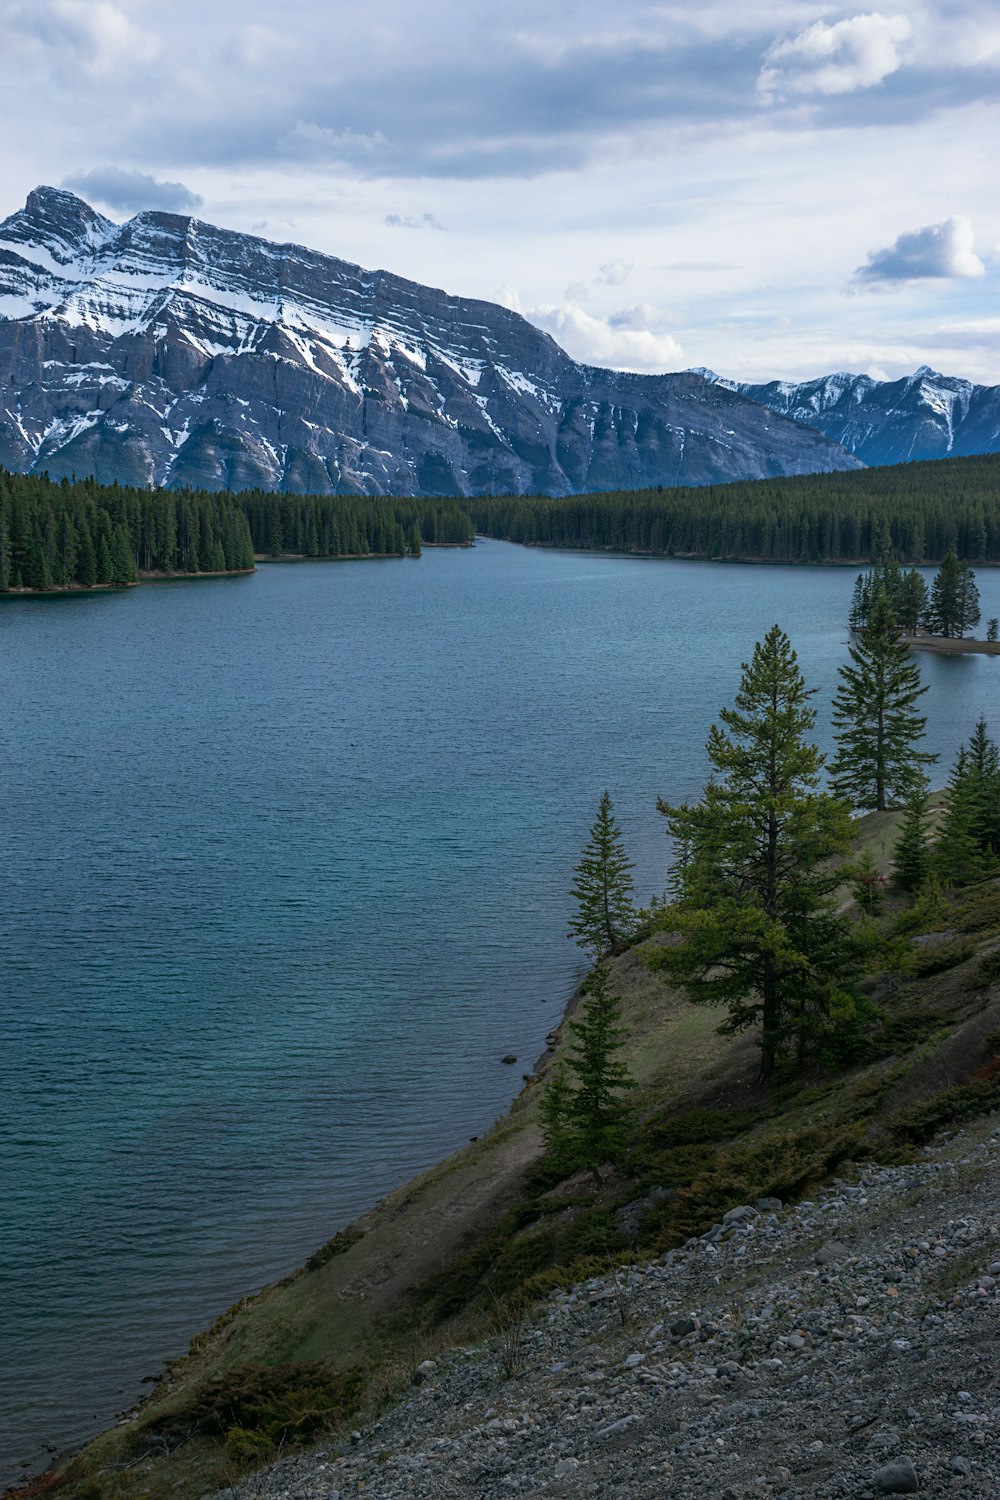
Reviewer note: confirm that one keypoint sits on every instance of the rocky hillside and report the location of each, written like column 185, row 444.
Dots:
column 925, row 415
column 843, row 1347
column 166, row 351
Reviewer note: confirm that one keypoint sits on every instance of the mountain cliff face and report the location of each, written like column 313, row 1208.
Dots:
column 166, row 351
column 927, row 415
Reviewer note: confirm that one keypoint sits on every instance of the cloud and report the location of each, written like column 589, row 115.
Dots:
column 643, row 317
column 116, row 188
column 983, row 333
column 96, row 35
column 595, row 341
column 613, row 272
column 934, row 252
column 318, row 143
column 857, row 53
column 413, row 221
column 256, row 45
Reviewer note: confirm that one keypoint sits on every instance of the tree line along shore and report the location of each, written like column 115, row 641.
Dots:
column 82, row 535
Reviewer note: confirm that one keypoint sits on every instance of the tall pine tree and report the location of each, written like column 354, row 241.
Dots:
column 911, row 858
column 605, row 914
column 761, row 933
column 584, row 1116
column 877, row 727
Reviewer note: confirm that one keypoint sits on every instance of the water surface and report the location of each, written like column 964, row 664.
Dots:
column 285, row 870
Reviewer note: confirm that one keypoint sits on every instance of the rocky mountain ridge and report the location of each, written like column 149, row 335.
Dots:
column 923, row 416
column 166, row 351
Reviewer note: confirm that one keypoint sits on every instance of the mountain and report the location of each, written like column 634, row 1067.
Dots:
column 166, row 351
column 925, row 415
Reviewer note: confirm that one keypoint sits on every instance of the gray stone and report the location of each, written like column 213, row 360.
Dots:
column 959, row 1465
column 614, row 1428
column 831, row 1253
column 897, row 1478
column 681, row 1327
column 741, row 1214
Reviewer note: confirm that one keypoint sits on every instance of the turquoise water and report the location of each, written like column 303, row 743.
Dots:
column 285, row 870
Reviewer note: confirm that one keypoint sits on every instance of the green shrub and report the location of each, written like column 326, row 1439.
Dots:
column 988, row 972
column 979, row 909
column 967, row 1099
column 273, row 1405
column 935, row 958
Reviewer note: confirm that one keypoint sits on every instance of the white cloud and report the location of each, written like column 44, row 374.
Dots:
column 857, row 53
column 596, row 342
column 413, row 221
column 98, row 36
column 613, row 272
column 256, row 45
column 936, row 251
column 642, row 317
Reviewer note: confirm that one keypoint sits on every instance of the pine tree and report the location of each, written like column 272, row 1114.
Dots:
column 584, row 1118
column 123, row 568
column 861, row 602
column 603, row 889
column 968, row 845
column 911, row 860
column 877, row 726
column 992, row 626
column 868, row 884
column 953, row 607
column 911, row 601
column 555, row 1109
column 762, row 936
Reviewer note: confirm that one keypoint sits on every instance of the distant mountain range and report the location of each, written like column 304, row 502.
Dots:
column 925, row 415
column 166, row 351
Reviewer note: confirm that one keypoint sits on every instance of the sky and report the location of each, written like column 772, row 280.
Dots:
column 769, row 190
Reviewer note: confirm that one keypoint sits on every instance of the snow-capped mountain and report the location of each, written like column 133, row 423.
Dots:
column 166, row 351
column 925, row 415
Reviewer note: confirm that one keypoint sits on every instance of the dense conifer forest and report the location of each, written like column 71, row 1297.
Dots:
column 350, row 526
column 58, row 535
column 919, row 511
column 86, row 535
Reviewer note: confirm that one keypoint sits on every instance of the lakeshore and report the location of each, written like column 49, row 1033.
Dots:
column 333, row 948
column 943, row 645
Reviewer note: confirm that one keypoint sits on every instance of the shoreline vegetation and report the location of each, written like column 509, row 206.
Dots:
column 79, row 537
column 54, row 536
column 865, row 1066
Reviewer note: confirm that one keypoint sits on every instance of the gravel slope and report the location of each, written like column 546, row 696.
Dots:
column 846, row 1346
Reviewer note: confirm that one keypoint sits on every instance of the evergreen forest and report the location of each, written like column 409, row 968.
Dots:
column 919, row 512
column 85, row 535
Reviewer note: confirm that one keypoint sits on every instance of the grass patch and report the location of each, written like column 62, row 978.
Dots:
column 341, row 1242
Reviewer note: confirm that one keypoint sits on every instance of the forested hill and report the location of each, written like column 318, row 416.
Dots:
column 87, row 535
column 921, row 510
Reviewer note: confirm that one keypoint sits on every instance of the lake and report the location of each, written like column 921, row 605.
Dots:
column 286, row 862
